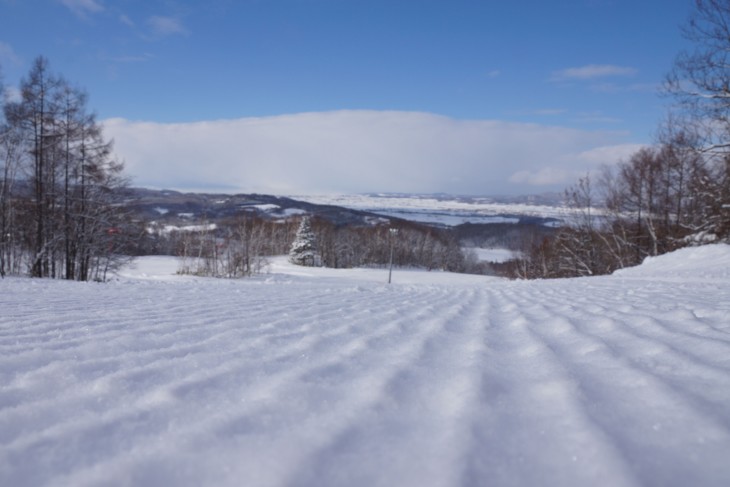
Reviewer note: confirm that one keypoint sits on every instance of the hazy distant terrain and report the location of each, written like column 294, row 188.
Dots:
column 441, row 209
column 480, row 222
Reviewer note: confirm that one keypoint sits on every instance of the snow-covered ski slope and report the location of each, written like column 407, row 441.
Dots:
column 314, row 377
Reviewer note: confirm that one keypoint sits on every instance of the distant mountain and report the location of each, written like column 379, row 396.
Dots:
column 170, row 206
column 364, row 209
column 475, row 221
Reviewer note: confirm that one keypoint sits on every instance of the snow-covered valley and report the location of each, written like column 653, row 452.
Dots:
column 447, row 210
column 321, row 377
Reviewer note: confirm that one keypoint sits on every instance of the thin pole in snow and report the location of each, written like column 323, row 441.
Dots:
column 393, row 232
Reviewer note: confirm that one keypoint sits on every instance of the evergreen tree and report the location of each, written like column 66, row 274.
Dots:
column 304, row 248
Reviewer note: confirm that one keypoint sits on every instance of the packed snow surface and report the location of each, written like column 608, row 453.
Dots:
column 317, row 377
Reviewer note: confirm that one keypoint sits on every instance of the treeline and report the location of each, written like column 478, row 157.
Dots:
column 58, row 217
column 238, row 247
column 235, row 247
column 413, row 245
column 659, row 200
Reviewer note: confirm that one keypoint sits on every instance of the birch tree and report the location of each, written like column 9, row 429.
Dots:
column 700, row 84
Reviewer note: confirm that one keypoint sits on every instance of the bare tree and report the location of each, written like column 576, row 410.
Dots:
column 243, row 249
column 699, row 78
column 35, row 116
column 60, row 150
column 10, row 149
column 700, row 83
column 578, row 251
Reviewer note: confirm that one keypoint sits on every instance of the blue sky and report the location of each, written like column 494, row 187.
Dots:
column 294, row 96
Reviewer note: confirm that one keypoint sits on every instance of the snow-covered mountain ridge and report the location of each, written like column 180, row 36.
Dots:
column 327, row 377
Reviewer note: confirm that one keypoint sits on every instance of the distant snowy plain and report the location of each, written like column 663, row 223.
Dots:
column 445, row 210
column 320, row 377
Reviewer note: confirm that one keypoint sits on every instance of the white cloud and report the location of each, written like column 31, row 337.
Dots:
column 545, row 176
column 596, row 117
column 124, row 19
column 82, row 8
column 592, row 71
column 575, row 166
column 608, row 154
column 550, row 111
column 13, row 94
column 166, row 25
column 7, row 54
column 358, row 151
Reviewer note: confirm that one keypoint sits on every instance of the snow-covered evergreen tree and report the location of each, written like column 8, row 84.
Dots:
column 304, row 248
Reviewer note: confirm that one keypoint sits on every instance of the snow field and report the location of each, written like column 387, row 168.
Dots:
column 496, row 255
column 317, row 377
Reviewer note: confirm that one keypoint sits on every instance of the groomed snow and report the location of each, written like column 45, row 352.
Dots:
column 317, row 377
